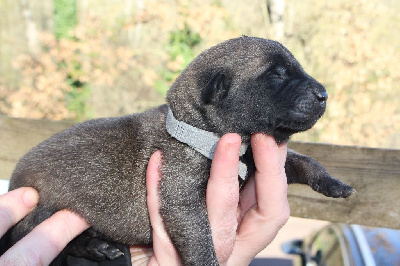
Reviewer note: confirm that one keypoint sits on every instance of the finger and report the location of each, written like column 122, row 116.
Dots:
column 247, row 198
column 15, row 205
column 45, row 241
column 270, row 176
column 163, row 248
column 223, row 195
column 262, row 222
column 140, row 255
column 272, row 166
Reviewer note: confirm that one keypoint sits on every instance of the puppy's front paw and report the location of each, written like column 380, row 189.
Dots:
column 303, row 169
column 331, row 187
column 100, row 249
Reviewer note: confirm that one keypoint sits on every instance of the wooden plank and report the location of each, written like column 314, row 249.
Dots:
column 18, row 136
column 374, row 173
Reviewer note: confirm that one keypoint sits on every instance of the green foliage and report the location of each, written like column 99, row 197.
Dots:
column 180, row 52
column 76, row 99
column 217, row 3
column 184, row 38
column 80, row 91
column 64, row 18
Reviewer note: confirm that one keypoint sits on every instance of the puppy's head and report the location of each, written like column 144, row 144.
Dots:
column 247, row 85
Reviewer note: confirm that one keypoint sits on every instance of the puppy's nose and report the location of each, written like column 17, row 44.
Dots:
column 322, row 96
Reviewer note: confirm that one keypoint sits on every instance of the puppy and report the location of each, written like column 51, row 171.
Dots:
column 97, row 168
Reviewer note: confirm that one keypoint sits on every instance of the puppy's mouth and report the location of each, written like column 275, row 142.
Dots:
column 294, row 122
column 303, row 116
column 299, row 124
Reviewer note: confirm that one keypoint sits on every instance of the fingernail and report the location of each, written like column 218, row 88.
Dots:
column 233, row 148
column 30, row 198
column 232, row 144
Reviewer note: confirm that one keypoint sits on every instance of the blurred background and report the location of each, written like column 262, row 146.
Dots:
column 82, row 59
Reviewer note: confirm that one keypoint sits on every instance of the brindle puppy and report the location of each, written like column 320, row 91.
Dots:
column 97, row 168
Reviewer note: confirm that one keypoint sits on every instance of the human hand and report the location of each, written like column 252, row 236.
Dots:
column 262, row 209
column 242, row 222
column 46, row 240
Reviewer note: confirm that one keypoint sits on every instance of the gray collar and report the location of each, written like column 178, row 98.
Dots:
column 200, row 140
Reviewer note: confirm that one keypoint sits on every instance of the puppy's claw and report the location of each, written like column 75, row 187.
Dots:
column 101, row 250
column 113, row 253
column 333, row 188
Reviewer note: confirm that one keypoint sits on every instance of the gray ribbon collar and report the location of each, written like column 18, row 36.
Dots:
column 200, row 140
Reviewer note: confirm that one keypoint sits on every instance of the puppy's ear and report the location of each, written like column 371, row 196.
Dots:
column 216, row 89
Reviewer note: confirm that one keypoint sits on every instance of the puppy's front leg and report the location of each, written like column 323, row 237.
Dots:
column 183, row 209
column 303, row 169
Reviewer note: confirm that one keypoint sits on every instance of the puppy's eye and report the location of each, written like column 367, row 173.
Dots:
column 279, row 71
column 274, row 73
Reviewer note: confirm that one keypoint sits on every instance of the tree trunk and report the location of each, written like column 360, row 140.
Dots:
column 276, row 10
column 30, row 29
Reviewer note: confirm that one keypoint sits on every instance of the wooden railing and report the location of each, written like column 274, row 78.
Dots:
column 374, row 173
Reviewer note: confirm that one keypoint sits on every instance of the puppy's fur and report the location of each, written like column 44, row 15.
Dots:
column 97, row 168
